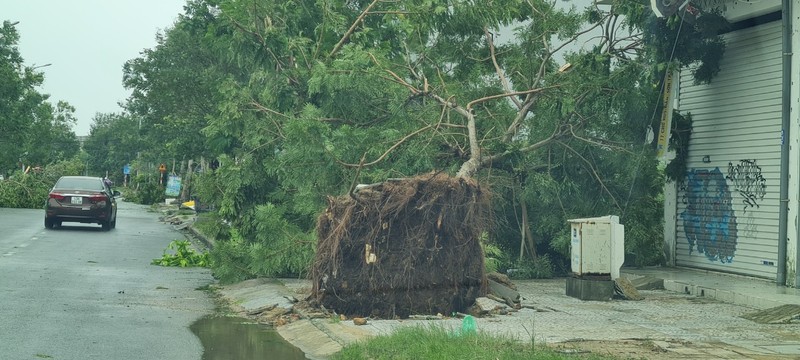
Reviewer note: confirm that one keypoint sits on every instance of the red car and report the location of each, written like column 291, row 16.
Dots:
column 82, row 199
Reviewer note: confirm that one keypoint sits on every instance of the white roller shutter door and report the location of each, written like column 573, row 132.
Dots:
column 727, row 216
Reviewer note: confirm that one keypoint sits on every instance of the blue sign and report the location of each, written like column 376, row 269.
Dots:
column 126, row 169
column 173, row 185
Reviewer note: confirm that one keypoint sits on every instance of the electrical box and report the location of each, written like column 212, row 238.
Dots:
column 597, row 246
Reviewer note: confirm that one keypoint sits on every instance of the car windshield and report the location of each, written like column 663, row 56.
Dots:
column 80, row 184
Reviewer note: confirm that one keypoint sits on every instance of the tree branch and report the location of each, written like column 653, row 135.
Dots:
column 352, row 29
column 599, row 142
column 270, row 111
column 594, row 172
column 497, row 68
column 388, row 151
column 355, row 179
column 516, row 93
column 489, row 159
column 261, row 40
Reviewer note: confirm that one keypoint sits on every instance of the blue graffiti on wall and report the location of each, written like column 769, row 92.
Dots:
column 709, row 221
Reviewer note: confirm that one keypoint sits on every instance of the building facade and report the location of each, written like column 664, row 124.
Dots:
column 736, row 210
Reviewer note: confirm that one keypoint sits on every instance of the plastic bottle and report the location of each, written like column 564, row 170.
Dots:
column 469, row 326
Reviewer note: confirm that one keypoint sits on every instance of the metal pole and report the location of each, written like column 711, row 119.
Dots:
column 785, row 126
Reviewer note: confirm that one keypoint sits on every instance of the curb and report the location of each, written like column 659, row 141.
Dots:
column 208, row 242
column 726, row 296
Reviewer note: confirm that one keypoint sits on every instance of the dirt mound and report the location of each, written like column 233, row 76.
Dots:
column 403, row 247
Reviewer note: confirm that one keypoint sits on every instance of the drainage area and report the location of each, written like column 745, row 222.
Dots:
column 231, row 338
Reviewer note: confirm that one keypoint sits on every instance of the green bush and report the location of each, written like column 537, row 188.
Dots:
column 145, row 190
column 539, row 268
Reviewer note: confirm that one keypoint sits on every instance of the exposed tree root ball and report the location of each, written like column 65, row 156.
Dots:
column 403, row 247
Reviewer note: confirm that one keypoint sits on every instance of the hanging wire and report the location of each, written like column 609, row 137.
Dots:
column 655, row 111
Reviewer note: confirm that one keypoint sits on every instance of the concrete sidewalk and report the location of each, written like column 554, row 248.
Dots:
column 698, row 317
column 733, row 289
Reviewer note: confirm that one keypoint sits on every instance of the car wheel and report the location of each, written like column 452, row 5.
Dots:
column 106, row 225
column 49, row 223
column 58, row 223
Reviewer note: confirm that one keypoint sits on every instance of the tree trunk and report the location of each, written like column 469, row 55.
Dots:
column 526, row 231
column 469, row 168
column 185, row 183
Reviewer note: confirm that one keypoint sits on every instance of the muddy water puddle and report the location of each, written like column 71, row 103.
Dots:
column 232, row 338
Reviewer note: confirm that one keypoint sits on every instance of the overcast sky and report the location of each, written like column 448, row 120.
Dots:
column 87, row 42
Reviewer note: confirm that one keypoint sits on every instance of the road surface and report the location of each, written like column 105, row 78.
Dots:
column 78, row 292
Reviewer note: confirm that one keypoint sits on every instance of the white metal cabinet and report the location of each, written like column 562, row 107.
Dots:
column 597, row 246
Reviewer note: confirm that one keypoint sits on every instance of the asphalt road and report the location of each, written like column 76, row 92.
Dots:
column 78, row 292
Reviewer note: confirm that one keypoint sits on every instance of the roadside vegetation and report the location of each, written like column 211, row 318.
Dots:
column 435, row 343
column 29, row 189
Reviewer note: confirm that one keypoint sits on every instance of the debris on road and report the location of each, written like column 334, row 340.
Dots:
column 783, row 314
column 505, row 293
column 624, row 288
column 485, row 306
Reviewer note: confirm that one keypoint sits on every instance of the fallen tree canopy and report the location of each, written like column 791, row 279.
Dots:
column 403, row 247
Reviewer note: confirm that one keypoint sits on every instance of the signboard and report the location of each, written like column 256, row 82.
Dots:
column 173, row 185
column 684, row 8
column 126, row 169
column 666, row 117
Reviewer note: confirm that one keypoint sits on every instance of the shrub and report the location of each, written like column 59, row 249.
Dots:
column 145, row 190
column 539, row 268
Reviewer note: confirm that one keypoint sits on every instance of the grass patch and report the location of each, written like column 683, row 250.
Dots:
column 433, row 343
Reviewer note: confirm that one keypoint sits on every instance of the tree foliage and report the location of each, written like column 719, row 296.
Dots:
column 37, row 144
column 32, row 131
column 298, row 99
column 113, row 141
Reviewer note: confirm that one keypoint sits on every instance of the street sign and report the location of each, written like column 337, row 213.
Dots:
column 173, row 186
column 126, row 169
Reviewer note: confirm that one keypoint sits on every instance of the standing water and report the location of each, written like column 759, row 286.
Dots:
column 232, row 338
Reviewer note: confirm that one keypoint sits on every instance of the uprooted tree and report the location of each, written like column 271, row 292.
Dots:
column 301, row 99
column 413, row 245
